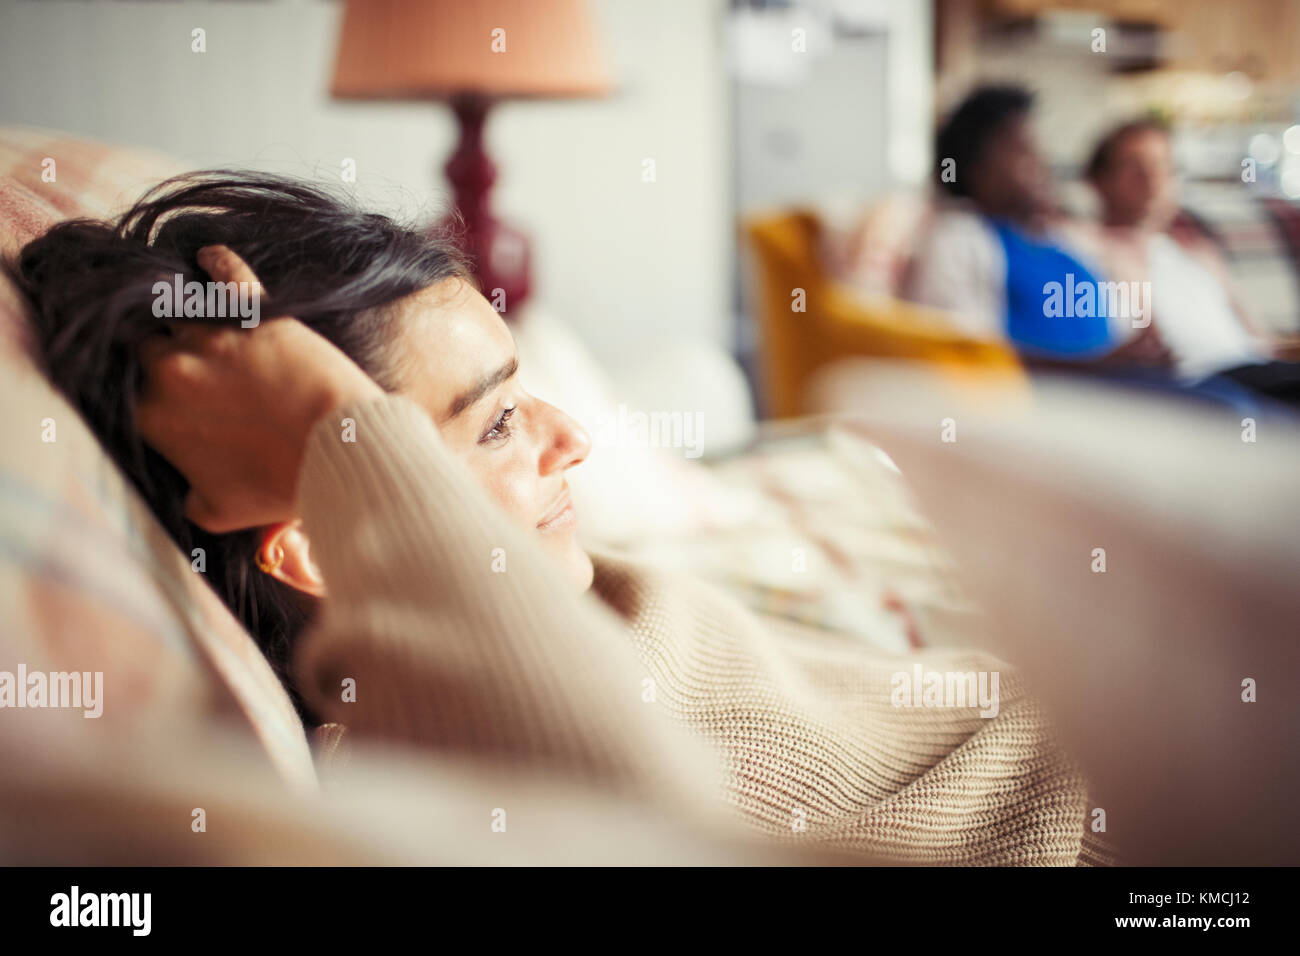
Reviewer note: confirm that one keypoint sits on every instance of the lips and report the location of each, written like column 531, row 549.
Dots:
column 561, row 515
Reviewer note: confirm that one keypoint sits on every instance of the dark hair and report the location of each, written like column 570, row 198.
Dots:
column 966, row 133
column 1104, row 151
column 319, row 257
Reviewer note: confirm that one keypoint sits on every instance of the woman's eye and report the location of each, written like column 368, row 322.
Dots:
column 500, row 429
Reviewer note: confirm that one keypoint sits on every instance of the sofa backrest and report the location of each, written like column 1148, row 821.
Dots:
column 89, row 581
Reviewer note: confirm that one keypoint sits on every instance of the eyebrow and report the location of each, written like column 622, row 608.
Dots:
column 471, row 396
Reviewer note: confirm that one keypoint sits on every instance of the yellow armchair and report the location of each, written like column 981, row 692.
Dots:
column 837, row 322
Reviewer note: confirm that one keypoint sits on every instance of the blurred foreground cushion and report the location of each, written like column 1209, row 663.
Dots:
column 1136, row 556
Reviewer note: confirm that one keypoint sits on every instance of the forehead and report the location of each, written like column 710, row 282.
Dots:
column 1144, row 140
column 1015, row 129
column 1012, row 137
column 448, row 338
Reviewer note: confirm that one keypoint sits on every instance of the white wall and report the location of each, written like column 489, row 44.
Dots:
column 911, row 91
column 842, row 121
column 629, row 264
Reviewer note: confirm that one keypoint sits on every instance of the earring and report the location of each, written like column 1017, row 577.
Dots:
column 273, row 565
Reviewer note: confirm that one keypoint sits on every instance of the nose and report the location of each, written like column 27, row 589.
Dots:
column 568, row 443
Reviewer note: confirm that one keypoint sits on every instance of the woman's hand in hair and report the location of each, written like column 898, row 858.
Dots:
column 231, row 407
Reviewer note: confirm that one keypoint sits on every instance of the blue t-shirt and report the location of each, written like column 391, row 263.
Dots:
column 1056, row 306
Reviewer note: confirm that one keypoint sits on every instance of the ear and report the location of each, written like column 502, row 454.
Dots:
column 286, row 556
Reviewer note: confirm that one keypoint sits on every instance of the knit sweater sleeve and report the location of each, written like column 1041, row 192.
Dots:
column 447, row 626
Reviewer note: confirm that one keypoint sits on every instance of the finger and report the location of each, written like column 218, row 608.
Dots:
column 179, row 337
column 223, row 264
column 160, row 422
column 198, row 510
column 200, row 338
column 157, row 347
column 172, row 376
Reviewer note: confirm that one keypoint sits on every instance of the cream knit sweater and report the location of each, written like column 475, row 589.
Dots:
column 654, row 687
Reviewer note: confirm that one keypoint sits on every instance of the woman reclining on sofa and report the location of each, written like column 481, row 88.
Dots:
column 384, row 507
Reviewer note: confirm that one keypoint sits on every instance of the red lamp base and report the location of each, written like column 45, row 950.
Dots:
column 499, row 254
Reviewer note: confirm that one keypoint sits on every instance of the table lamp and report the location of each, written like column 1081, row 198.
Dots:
column 472, row 53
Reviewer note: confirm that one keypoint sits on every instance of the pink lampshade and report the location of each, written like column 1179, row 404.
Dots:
column 435, row 49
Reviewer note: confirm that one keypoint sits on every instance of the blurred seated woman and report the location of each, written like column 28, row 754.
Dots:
column 384, row 506
column 1204, row 329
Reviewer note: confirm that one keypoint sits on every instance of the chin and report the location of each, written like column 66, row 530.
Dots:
column 573, row 562
column 579, row 568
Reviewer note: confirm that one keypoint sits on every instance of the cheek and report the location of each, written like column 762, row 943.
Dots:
column 511, row 481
